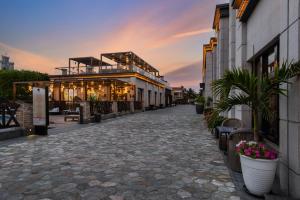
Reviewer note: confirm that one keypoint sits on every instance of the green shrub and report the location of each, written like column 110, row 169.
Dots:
column 200, row 100
column 209, row 101
column 8, row 77
column 214, row 120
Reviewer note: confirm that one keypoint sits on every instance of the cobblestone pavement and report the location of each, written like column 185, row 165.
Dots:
column 161, row 155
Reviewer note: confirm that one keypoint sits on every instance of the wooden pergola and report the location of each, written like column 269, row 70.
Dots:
column 86, row 61
column 80, row 82
column 129, row 58
column 29, row 83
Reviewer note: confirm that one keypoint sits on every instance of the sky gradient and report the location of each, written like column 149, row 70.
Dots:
column 169, row 34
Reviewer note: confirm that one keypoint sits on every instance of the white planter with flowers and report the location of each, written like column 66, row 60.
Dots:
column 258, row 166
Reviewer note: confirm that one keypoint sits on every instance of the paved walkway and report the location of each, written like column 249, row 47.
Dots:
column 161, row 155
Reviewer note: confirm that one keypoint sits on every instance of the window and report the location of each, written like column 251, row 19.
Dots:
column 264, row 66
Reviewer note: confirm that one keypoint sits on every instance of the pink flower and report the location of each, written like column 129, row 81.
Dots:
column 257, row 153
column 247, row 152
column 267, row 154
column 262, row 146
column 273, row 155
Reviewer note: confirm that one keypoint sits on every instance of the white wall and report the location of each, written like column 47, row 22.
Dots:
column 147, row 86
column 289, row 168
column 208, row 74
column 223, row 46
column 263, row 25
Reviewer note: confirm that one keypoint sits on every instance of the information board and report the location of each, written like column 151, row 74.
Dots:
column 39, row 106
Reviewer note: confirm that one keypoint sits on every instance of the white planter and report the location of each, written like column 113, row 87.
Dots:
column 258, row 174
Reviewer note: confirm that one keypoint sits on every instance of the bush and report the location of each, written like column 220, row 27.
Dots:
column 208, row 111
column 8, row 77
column 209, row 101
column 200, row 100
column 214, row 119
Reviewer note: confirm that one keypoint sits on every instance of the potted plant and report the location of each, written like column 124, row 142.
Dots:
column 94, row 103
column 242, row 87
column 200, row 102
column 209, row 101
column 258, row 166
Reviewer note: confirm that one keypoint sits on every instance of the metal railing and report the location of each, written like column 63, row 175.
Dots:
column 101, row 107
column 123, row 106
column 64, row 105
column 8, row 114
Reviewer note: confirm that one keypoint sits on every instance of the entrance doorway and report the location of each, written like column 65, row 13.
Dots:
column 149, row 98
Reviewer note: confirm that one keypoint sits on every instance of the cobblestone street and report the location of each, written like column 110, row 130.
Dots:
column 161, row 155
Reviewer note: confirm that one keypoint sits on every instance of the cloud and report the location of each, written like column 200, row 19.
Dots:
column 188, row 76
column 27, row 60
column 192, row 33
column 165, row 40
column 145, row 31
column 167, row 34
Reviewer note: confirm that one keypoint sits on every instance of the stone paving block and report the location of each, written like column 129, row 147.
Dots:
column 166, row 154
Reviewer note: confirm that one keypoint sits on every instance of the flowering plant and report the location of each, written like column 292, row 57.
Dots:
column 255, row 150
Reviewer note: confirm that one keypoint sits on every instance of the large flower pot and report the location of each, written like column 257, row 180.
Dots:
column 199, row 109
column 258, row 174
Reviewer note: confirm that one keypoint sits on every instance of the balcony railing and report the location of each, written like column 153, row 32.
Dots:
column 101, row 107
column 123, row 106
column 122, row 69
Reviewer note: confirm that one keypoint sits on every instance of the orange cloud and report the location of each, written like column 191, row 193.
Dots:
column 192, row 33
column 161, row 44
column 27, row 60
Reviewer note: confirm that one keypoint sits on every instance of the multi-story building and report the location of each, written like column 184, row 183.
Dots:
column 209, row 66
column 179, row 94
column 262, row 33
column 121, row 76
column 6, row 64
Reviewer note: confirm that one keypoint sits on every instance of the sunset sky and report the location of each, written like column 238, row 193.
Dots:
column 169, row 34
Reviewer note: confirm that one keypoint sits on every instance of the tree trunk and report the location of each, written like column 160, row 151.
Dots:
column 255, row 124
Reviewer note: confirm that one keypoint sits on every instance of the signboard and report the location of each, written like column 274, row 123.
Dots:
column 39, row 106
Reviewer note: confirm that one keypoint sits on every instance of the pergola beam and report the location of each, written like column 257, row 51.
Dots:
column 132, row 58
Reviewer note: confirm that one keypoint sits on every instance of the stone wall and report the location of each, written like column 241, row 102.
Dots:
column 86, row 111
column 289, row 168
column 24, row 116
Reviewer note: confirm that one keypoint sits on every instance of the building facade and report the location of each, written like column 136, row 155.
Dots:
column 179, row 95
column 209, row 66
column 262, row 34
column 6, row 64
column 115, row 77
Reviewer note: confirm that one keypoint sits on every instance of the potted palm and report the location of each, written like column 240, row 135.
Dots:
column 200, row 102
column 242, row 87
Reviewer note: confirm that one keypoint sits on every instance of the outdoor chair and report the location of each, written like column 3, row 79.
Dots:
column 233, row 139
column 228, row 125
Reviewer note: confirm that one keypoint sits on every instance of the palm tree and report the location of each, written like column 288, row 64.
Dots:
column 242, row 87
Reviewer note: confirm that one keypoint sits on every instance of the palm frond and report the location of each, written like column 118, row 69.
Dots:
column 240, row 79
column 225, row 104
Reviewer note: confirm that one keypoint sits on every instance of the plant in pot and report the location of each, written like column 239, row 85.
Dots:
column 242, row 87
column 258, row 166
column 200, row 102
column 209, row 101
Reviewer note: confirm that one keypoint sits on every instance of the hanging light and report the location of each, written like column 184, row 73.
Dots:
column 30, row 88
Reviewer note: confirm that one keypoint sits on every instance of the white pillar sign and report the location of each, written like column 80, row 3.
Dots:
column 39, row 106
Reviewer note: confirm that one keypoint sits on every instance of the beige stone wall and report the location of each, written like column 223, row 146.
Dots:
column 86, row 111
column 24, row 116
